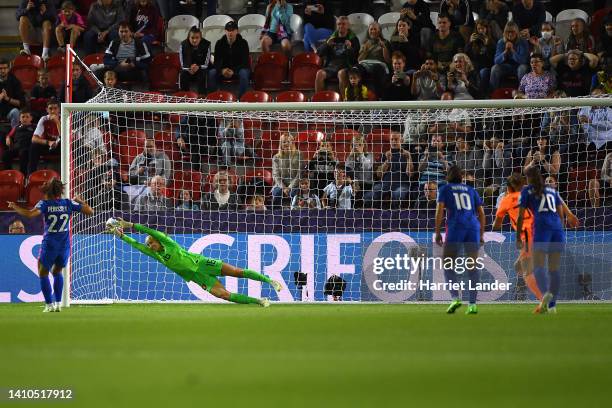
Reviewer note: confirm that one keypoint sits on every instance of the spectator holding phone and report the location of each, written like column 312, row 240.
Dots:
column 318, row 24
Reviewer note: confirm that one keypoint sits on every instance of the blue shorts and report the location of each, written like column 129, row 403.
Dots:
column 461, row 237
column 548, row 240
column 53, row 256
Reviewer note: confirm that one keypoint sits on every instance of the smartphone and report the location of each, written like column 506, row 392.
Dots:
column 312, row 7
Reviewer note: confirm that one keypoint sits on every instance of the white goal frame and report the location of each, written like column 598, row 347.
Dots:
column 67, row 109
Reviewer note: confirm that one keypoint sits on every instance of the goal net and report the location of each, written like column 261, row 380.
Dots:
column 334, row 200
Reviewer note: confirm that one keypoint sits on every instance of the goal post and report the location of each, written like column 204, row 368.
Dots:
column 337, row 246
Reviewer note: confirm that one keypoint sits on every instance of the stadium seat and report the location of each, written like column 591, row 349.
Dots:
column 166, row 141
column 297, row 26
column 264, row 174
column 270, row 71
column 89, row 60
column 56, row 66
column 213, row 28
column 130, row 144
column 503, row 93
column 221, row 96
column 378, row 140
column 188, row 180
column 303, row 71
column 396, row 5
column 433, row 15
column 255, row 96
column 570, row 14
column 164, row 71
column 39, row 177
column 11, row 187
column 232, row 7
column 345, row 135
column 307, row 142
column 387, row 23
column 250, row 26
column 578, row 185
column 359, row 23
column 186, row 94
column 25, row 68
column 33, row 194
column 177, row 30
column 326, row 96
column 290, row 96
column 549, row 17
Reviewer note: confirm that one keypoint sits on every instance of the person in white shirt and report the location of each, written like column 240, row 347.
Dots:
column 340, row 193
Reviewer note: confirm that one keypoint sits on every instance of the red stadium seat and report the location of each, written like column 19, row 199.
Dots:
column 25, row 68
column 264, row 174
column 130, row 144
column 221, row 96
column 56, row 66
column 11, row 187
column 503, row 93
column 270, row 72
column 326, row 96
column 33, row 195
column 303, row 71
column 166, row 141
column 379, row 140
column 308, row 141
column 345, row 135
column 89, row 60
column 578, row 186
column 188, row 180
column 290, row 96
column 255, row 96
column 39, row 177
column 186, row 94
column 164, row 72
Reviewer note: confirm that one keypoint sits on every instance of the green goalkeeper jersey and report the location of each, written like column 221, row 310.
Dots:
column 172, row 256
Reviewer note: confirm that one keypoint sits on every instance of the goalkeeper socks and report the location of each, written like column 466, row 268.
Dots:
column 251, row 274
column 555, row 284
column 474, row 277
column 244, row 299
column 531, row 283
column 541, row 278
column 45, row 285
column 58, row 287
column 449, row 275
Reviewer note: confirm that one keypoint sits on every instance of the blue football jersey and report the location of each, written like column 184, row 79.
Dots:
column 461, row 202
column 543, row 208
column 56, row 214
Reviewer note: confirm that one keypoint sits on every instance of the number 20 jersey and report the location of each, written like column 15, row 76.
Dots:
column 543, row 208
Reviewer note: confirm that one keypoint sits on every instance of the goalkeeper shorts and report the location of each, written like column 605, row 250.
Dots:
column 208, row 270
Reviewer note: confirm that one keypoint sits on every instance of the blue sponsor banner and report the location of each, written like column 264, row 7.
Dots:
column 107, row 268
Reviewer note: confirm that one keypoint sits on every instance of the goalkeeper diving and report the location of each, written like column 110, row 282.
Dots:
column 189, row 266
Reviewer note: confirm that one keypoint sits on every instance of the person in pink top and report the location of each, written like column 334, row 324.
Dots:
column 70, row 24
column 538, row 83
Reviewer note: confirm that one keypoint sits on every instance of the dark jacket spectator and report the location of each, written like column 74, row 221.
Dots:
column 194, row 55
column 404, row 40
column 319, row 24
column 144, row 19
column 417, row 11
column 231, row 59
column 103, row 22
column 529, row 15
column 11, row 94
column 445, row 44
column 129, row 57
column 81, row 90
column 496, row 13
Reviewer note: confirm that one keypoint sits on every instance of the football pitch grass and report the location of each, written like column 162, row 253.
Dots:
column 187, row 355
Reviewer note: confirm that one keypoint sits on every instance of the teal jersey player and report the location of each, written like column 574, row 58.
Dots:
column 191, row 267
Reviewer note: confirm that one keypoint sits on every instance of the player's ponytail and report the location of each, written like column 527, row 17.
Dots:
column 534, row 177
column 515, row 181
column 53, row 188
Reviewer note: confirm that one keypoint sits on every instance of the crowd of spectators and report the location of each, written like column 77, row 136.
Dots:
column 461, row 56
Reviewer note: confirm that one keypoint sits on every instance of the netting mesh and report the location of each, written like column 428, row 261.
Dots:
column 311, row 197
